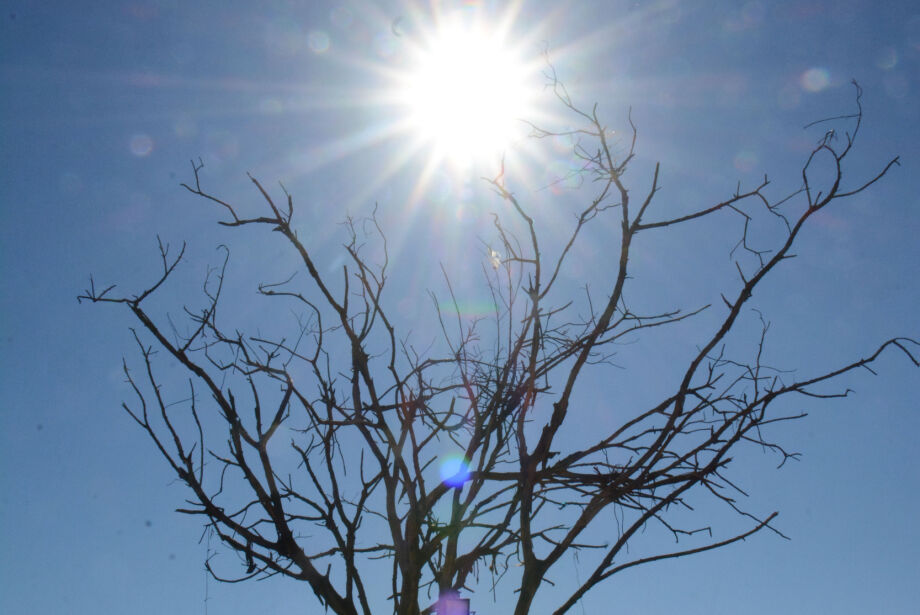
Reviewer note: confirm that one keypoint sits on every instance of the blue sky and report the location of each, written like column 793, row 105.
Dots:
column 103, row 105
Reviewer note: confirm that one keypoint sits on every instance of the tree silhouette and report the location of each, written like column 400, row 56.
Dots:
column 320, row 455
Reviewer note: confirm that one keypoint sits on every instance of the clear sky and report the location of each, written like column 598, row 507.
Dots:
column 103, row 104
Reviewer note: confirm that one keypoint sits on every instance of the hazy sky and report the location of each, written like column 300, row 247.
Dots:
column 103, row 104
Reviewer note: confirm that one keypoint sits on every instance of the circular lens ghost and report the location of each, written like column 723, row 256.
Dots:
column 455, row 470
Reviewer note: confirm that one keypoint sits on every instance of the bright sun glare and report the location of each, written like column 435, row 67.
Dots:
column 467, row 94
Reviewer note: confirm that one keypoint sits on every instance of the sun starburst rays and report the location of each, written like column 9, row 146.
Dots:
column 466, row 94
column 449, row 104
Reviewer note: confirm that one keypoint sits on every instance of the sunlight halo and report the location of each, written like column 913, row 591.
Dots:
column 466, row 93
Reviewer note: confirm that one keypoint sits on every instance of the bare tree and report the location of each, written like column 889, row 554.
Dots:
column 315, row 456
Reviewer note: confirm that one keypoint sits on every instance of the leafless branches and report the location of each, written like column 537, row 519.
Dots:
column 364, row 417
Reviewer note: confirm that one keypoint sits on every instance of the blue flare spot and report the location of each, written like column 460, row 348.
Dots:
column 455, row 470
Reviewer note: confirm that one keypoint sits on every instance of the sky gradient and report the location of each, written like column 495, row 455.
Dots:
column 103, row 104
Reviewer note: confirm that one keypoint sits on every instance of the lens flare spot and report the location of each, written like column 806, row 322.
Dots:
column 450, row 603
column 455, row 470
column 141, row 145
column 319, row 41
column 887, row 58
column 745, row 161
column 815, row 79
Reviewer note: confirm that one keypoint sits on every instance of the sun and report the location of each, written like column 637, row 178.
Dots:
column 467, row 92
